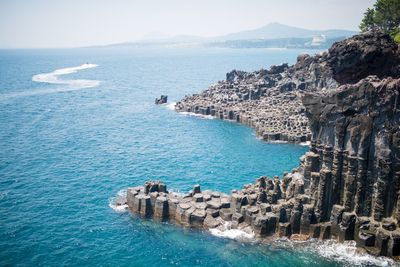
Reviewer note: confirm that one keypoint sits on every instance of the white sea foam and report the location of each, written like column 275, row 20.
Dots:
column 54, row 77
column 171, row 106
column 119, row 208
column 348, row 254
column 118, row 203
column 308, row 143
column 278, row 142
column 201, row 116
column 227, row 232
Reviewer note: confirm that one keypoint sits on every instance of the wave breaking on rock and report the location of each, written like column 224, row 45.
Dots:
column 345, row 102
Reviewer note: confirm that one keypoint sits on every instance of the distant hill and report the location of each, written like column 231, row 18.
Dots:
column 270, row 35
column 309, row 43
column 279, row 31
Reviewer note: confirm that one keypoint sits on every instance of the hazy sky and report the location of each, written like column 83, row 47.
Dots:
column 68, row 23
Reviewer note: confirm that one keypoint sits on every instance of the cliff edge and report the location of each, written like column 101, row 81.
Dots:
column 345, row 101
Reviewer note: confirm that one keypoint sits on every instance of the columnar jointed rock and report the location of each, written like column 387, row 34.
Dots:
column 347, row 186
column 260, row 207
column 359, row 185
column 254, row 99
column 198, row 209
column 269, row 100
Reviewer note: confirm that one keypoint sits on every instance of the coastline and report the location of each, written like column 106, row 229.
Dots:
column 172, row 105
column 346, row 252
column 332, row 194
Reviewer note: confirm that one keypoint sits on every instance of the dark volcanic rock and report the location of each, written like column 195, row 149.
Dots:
column 235, row 75
column 370, row 53
column 162, row 100
column 355, row 130
column 276, row 69
column 347, row 187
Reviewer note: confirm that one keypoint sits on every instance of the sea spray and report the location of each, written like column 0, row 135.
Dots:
column 171, row 106
column 347, row 253
column 118, row 203
column 226, row 231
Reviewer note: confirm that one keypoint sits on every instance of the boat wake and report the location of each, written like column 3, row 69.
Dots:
column 53, row 77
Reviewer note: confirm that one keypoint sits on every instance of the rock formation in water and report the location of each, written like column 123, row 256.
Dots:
column 162, row 100
column 270, row 100
column 347, row 187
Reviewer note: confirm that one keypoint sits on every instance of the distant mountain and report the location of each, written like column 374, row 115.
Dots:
column 279, row 31
column 270, row 35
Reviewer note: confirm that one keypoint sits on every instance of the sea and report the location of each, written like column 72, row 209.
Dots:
column 78, row 126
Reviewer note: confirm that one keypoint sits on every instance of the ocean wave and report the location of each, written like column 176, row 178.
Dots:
column 308, row 143
column 201, row 116
column 118, row 203
column 226, row 231
column 348, row 254
column 278, row 142
column 171, row 105
column 53, row 77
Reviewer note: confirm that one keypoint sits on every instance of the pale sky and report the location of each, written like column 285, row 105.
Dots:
column 71, row 23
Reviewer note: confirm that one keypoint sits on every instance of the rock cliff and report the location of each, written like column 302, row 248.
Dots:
column 353, row 167
column 347, row 187
column 269, row 100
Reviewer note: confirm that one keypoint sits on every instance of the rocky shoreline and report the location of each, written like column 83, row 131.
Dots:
column 346, row 103
column 276, row 114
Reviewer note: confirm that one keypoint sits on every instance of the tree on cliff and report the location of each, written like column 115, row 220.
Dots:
column 385, row 15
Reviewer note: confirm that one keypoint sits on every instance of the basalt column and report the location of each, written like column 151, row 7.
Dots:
column 357, row 190
column 337, row 163
column 350, row 183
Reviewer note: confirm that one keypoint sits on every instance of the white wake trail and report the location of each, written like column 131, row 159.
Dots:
column 54, row 77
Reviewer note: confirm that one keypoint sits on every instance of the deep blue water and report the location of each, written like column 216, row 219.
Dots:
column 65, row 151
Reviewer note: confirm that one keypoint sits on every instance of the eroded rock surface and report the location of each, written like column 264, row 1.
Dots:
column 347, row 187
column 270, row 100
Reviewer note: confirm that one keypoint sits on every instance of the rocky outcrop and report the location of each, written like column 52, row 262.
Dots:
column 354, row 162
column 257, row 99
column 269, row 100
column 370, row 53
column 162, row 100
column 347, row 187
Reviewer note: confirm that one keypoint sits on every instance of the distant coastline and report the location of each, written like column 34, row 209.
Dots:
column 273, row 35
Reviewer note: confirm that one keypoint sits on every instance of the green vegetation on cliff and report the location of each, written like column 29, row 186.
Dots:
column 385, row 15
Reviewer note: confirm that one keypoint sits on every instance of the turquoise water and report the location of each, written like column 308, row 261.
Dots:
column 66, row 150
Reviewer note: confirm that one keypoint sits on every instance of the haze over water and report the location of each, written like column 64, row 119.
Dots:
column 77, row 126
